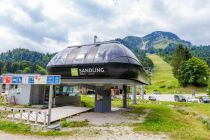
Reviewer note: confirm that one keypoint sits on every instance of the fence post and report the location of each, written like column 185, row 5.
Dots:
column 6, row 113
column 28, row 121
column 13, row 114
column 21, row 115
column 36, row 119
column 45, row 117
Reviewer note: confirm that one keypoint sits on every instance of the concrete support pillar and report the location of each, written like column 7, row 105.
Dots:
column 134, row 94
column 124, row 96
column 142, row 92
column 102, row 99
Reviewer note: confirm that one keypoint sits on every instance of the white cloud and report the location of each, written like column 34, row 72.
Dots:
column 50, row 26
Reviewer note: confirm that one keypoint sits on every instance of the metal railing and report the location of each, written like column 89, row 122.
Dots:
column 28, row 116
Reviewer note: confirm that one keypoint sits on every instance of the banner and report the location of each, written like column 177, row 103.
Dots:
column 31, row 79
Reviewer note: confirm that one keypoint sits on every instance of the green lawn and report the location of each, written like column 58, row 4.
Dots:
column 25, row 129
column 164, row 81
column 178, row 120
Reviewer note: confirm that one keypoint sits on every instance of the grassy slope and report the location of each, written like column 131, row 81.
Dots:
column 164, row 81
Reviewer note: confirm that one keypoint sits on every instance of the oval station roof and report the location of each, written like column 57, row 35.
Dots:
column 103, row 52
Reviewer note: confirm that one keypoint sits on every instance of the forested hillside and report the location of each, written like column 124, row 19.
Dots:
column 202, row 52
column 24, row 61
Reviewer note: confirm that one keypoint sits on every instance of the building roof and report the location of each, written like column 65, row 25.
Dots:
column 101, row 52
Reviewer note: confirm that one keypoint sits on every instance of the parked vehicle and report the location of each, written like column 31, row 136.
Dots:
column 204, row 99
column 152, row 98
column 180, row 98
column 192, row 99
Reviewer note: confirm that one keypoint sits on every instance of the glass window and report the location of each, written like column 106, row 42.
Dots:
column 67, row 90
column 59, row 58
column 72, row 53
column 101, row 54
column 82, row 54
column 91, row 55
column 130, row 54
column 115, row 52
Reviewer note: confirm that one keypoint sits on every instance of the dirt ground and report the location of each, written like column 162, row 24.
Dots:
column 111, row 118
column 103, row 126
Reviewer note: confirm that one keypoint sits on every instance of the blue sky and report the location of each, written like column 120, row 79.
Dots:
column 52, row 25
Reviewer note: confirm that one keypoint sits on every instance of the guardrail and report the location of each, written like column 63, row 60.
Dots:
column 28, row 116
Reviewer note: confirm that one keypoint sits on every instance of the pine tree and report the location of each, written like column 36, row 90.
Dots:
column 180, row 55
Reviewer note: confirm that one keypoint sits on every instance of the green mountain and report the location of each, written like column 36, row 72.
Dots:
column 155, row 40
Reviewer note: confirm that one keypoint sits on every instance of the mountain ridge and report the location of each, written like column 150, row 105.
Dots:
column 156, row 40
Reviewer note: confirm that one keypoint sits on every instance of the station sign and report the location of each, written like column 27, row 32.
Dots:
column 17, row 79
column 75, row 72
column 31, row 79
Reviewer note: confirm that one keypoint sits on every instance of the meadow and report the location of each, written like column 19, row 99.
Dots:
column 163, row 80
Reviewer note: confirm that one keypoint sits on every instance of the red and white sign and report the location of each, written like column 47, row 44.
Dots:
column 7, row 79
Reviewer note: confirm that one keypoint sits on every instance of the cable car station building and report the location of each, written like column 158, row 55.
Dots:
column 100, row 66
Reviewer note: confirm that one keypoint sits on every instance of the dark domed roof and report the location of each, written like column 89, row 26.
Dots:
column 104, row 60
column 103, row 52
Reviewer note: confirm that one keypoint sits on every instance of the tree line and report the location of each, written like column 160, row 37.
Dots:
column 202, row 52
column 22, row 61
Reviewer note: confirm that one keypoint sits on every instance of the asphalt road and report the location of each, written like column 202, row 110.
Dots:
column 162, row 97
column 170, row 97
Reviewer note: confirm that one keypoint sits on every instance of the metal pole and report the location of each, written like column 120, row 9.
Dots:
column 142, row 92
column 134, row 94
column 50, row 104
column 124, row 96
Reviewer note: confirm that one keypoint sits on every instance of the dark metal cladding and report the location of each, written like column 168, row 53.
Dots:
column 106, row 60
